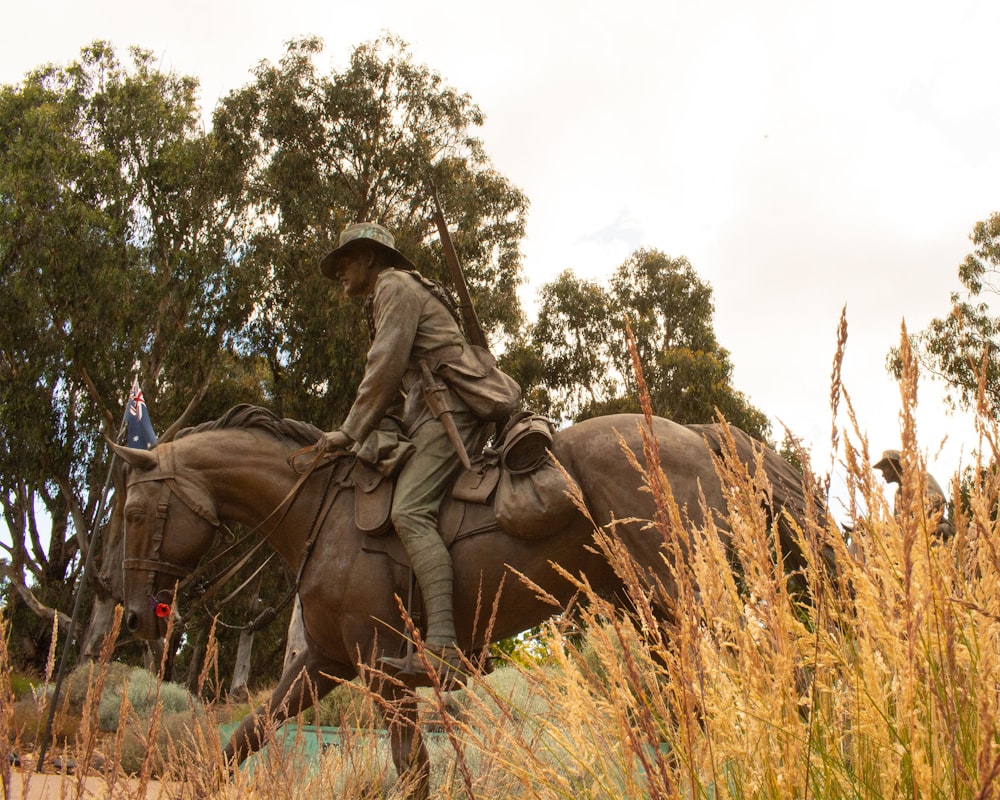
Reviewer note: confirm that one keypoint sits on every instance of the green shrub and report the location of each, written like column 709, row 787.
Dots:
column 142, row 696
column 27, row 721
column 22, row 686
column 81, row 682
column 345, row 705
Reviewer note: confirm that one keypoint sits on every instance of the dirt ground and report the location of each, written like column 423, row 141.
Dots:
column 28, row 785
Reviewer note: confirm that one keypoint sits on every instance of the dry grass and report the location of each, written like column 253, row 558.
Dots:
column 881, row 681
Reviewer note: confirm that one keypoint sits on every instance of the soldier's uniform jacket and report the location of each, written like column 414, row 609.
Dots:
column 409, row 324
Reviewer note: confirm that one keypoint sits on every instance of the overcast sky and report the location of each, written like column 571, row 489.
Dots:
column 804, row 156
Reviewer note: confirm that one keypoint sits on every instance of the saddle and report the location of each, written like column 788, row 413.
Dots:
column 467, row 510
column 514, row 488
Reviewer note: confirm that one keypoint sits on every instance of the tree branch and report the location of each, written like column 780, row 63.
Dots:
column 32, row 602
column 196, row 398
column 83, row 533
column 105, row 412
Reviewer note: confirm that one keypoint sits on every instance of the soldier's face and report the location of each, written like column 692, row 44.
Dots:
column 356, row 274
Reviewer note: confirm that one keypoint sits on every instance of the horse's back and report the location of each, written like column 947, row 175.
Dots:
column 596, row 453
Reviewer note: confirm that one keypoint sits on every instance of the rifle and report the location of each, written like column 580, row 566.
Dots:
column 473, row 329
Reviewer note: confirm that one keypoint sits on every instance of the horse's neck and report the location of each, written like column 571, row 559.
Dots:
column 251, row 483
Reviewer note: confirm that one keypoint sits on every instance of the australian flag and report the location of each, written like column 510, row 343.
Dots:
column 140, row 429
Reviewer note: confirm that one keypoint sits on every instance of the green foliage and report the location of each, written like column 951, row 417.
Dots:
column 80, row 682
column 793, row 451
column 573, row 341
column 576, row 362
column 144, row 692
column 116, row 258
column 529, row 647
column 175, row 739
column 963, row 347
column 21, row 686
column 347, row 704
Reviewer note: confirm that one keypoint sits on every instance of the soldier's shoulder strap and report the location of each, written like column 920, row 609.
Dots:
column 440, row 291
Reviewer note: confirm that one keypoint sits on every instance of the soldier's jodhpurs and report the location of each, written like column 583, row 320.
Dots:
column 420, row 487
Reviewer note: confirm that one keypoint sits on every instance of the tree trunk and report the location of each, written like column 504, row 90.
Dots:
column 102, row 617
column 197, row 663
column 238, row 690
column 109, row 581
column 296, row 635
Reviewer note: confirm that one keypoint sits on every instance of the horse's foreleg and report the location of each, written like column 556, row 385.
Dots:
column 305, row 681
column 409, row 754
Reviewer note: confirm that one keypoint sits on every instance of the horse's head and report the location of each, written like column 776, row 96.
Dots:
column 170, row 523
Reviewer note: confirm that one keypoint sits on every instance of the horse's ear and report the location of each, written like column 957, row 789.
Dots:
column 133, row 456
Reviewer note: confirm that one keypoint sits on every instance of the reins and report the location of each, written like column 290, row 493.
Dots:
column 171, row 485
column 322, row 509
column 282, row 507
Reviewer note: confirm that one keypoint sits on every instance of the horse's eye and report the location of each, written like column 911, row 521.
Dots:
column 136, row 517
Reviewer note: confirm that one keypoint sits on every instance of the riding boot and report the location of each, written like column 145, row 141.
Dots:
column 435, row 575
column 421, row 486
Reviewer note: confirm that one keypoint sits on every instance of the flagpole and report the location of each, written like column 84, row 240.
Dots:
column 53, row 703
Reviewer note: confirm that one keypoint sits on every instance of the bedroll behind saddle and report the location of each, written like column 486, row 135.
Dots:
column 534, row 496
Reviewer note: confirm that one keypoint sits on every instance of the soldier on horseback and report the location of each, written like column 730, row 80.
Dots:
column 453, row 393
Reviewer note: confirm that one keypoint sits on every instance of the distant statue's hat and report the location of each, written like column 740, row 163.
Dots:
column 363, row 234
column 890, row 459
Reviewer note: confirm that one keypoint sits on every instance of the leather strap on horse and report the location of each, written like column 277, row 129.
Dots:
column 322, row 510
column 283, row 506
column 167, row 474
column 171, row 486
column 154, row 564
column 220, row 580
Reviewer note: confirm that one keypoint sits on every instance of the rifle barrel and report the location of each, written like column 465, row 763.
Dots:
column 473, row 328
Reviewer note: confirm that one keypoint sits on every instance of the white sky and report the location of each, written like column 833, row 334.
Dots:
column 803, row 156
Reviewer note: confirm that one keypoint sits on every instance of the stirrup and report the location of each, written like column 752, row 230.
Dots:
column 446, row 662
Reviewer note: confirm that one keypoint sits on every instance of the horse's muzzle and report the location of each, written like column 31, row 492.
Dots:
column 149, row 622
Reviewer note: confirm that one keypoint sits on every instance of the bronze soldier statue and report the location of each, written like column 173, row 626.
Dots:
column 453, row 394
column 890, row 465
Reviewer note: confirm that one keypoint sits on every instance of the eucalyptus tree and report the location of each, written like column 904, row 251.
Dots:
column 568, row 362
column 962, row 348
column 320, row 150
column 578, row 357
column 117, row 259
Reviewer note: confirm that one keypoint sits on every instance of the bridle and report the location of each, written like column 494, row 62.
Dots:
column 170, row 486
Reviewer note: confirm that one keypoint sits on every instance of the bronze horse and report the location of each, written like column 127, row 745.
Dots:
column 237, row 469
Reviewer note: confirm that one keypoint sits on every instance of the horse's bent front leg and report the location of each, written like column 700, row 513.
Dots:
column 409, row 754
column 306, row 681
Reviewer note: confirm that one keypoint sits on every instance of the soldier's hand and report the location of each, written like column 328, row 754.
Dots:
column 333, row 441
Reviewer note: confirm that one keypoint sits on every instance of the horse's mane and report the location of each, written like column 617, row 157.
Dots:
column 246, row 416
